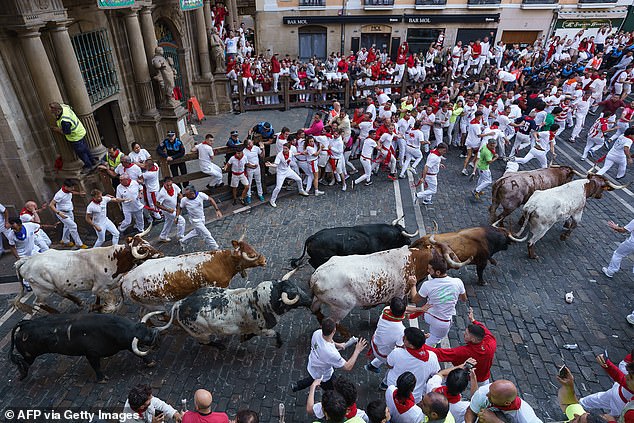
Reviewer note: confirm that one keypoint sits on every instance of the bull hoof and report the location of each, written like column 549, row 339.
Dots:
column 533, row 256
column 482, row 283
column 563, row 237
column 278, row 340
column 95, row 308
column 218, row 345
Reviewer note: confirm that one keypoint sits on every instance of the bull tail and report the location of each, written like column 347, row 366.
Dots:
column 516, row 238
column 295, row 261
column 16, row 359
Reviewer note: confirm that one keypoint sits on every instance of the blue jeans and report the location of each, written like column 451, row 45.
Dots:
column 83, row 153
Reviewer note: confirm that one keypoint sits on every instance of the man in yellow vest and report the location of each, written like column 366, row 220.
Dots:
column 71, row 127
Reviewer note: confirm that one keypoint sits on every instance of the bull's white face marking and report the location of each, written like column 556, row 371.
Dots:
column 68, row 331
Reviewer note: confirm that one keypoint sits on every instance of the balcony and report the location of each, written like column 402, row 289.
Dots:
column 378, row 4
column 483, row 4
column 312, row 4
column 595, row 3
column 430, row 4
column 540, row 4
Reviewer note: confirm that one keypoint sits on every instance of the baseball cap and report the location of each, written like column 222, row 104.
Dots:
column 170, row 133
column 236, row 132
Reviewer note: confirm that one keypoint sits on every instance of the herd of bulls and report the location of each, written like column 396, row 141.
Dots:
column 360, row 266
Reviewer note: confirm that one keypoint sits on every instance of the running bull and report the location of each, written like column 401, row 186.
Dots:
column 248, row 312
column 90, row 335
column 514, row 189
column 174, row 278
column 344, row 283
column 481, row 243
column 545, row 208
column 348, row 240
column 97, row 269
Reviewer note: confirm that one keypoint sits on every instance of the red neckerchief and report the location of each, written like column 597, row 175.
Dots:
column 514, row 406
column 352, row 411
column 96, row 202
column 492, row 150
column 551, row 136
column 64, row 190
column 287, row 157
column 170, row 191
column 453, row 399
column 422, row 354
column 475, row 121
column 436, row 152
column 127, row 165
column 402, row 406
column 26, row 211
column 387, row 315
column 116, row 154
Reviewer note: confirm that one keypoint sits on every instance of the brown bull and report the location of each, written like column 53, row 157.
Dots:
column 513, row 190
column 481, row 243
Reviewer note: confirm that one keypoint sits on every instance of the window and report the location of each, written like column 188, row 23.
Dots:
column 94, row 56
column 312, row 42
column 312, row 3
column 420, row 39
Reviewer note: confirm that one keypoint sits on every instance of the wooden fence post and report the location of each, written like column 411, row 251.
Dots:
column 287, row 97
column 241, row 98
column 346, row 98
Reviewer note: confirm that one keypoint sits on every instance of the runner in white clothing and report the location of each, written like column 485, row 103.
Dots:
column 62, row 206
column 619, row 154
column 442, row 292
column 413, row 141
column 500, row 396
column 429, row 177
column 205, row 160
column 282, row 163
column 97, row 217
column 254, row 153
column 623, row 250
column 151, row 187
column 131, row 192
column 400, row 400
column 21, row 237
column 167, row 200
column 193, row 202
column 238, row 163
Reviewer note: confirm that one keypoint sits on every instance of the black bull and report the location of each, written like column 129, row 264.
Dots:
column 348, row 240
column 90, row 335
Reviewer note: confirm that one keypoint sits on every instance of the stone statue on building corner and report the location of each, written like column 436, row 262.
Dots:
column 217, row 52
column 165, row 77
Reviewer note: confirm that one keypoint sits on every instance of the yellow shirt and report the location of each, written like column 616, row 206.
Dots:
column 574, row 410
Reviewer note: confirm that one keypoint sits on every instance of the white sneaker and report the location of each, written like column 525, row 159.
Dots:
column 165, row 239
column 272, row 203
column 318, row 193
column 344, row 187
column 606, row 272
column 332, row 182
column 465, row 172
column 304, row 193
column 630, row 319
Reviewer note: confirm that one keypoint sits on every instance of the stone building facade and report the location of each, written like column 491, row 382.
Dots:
column 98, row 61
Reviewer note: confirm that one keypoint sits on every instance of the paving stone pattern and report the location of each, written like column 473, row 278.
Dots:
column 523, row 305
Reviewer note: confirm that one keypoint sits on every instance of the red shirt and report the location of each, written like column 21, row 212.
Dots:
column 246, row 70
column 482, row 352
column 342, row 66
column 196, row 417
column 401, row 58
column 371, row 56
column 476, row 50
column 275, row 65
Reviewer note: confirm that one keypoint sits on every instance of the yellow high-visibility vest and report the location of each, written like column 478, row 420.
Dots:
column 77, row 130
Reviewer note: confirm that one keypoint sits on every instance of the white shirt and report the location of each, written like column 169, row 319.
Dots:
column 630, row 228
column 99, row 212
column 133, row 171
column 618, row 149
column 364, row 129
column 368, row 147
column 139, row 157
column 413, row 415
column 544, row 140
column 581, row 107
column 372, row 110
column 473, row 132
column 283, row 163
column 443, row 294
column 167, row 200
column 205, row 155
column 323, row 357
column 505, row 76
column 253, row 155
column 414, row 138
column 2, row 210
column 63, row 201
column 403, row 125
column 279, row 143
column 231, row 45
column 195, row 207
column 525, row 414
column 130, row 193
column 457, row 409
column 237, row 165
column 336, row 148
column 388, row 335
column 319, row 412
column 25, row 247
column 433, row 164
column 310, row 153
column 155, row 405
column 402, row 361
column 151, row 180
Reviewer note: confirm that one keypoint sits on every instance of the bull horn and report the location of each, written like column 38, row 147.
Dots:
column 456, row 264
column 135, row 253
column 435, row 230
column 496, row 223
column 145, row 232
column 579, row 174
column 592, row 170
column 150, row 315
column 555, row 166
column 289, row 274
column 136, row 350
column 398, row 219
column 409, row 235
column 514, row 239
column 287, row 301
column 247, row 258
column 432, row 240
column 244, row 232
column 614, row 186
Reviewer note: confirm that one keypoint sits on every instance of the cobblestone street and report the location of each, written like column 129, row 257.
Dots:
column 523, row 303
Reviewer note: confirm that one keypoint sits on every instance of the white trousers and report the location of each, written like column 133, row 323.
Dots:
column 437, row 329
column 201, row 230
column 521, row 141
column 42, row 241
column 399, row 70
column 621, row 127
column 214, row 171
column 623, row 250
column 534, row 153
column 276, row 78
column 254, row 175
column 127, row 220
column 70, row 228
column 107, row 226
column 438, row 136
column 381, row 158
column 431, row 181
column 580, row 120
column 411, row 154
column 367, row 171
column 592, row 144
column 610, row 161
column 169, row 223
column 280, row 177
column 402, row 148
column 484, row 180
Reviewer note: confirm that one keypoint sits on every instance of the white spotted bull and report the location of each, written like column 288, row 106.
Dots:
column 97, row 269
column 249, row 312
column 343, row 283
column 563, row 203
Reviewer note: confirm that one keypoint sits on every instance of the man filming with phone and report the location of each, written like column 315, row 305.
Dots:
column 569, row 402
